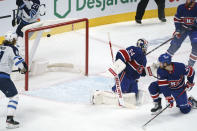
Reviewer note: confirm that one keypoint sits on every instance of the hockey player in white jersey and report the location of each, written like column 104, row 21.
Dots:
column 9, row 55
column 28, row 13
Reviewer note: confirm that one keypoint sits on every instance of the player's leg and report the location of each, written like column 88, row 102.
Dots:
column 9, row 89
column 141, row 10
column 155, row 92
column 106, row 97
column 161, row 9
column 175, row 44
column 193, row 55
column 182, row 101
column 125, row 83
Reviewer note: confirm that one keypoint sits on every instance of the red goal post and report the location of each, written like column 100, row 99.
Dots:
column 27, row 30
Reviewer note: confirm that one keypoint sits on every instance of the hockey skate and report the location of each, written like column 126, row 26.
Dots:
column 157, row 107
column 11, row 123
column 139, row 97
column 194, row 102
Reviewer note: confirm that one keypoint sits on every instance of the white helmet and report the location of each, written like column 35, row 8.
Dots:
column 10, row 36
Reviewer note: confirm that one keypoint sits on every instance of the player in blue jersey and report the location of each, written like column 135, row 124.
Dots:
column 9, row 55
column 186, row 25
column 171, row 83
column 134, row 57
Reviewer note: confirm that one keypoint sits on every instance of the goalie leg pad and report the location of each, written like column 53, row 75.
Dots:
column 110, row 98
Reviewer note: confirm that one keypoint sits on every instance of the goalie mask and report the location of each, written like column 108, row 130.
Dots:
column 143, row 44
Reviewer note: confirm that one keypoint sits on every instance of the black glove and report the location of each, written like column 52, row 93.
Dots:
column 19, row 2
column 13, row 22
column 16, row 21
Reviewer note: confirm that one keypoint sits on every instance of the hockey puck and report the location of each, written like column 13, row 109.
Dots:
column 48, row 35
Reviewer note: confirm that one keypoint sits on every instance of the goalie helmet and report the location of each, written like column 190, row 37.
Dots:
column 10, row 37
column 143, row 44
column 165, row 58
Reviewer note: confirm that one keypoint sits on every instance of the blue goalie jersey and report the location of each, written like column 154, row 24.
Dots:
column 133, row 57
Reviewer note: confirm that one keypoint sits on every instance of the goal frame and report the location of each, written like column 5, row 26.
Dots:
column 26, row 33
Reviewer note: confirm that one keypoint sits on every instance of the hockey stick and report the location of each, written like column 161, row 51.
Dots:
column 15, row 70
column 159, row 45
column 118, row 86
column 161, row 111
column 15, row 17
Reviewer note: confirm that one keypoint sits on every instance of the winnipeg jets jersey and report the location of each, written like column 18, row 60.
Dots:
column 185, row 17
column 9, row 56
column 30, row 13
column 175, row 79
column 133, row 57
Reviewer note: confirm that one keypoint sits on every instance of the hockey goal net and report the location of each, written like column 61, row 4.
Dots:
column 55, row 46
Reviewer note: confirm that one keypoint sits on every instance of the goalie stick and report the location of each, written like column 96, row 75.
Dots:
column 118, row 86
column 159, row 45
column 121, row 101
column 161, row 111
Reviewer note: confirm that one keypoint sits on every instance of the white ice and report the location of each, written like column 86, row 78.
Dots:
column 61, row 102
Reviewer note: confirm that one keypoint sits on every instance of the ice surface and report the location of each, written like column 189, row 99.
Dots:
column 63, row 104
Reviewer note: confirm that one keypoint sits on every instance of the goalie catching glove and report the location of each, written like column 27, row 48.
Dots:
column 152, row 70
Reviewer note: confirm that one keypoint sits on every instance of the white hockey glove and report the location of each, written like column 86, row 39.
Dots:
column 117, row 67
column 152, row 70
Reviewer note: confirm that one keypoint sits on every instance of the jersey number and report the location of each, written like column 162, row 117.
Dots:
column 1, row 54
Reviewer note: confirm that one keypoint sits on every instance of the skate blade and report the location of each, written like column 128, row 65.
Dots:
column 11, row 126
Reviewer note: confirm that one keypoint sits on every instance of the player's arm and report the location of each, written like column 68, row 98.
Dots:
column 128, row 56
column 177, row 19
column 189, row 72
column 19, row 61
column 34, row 8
